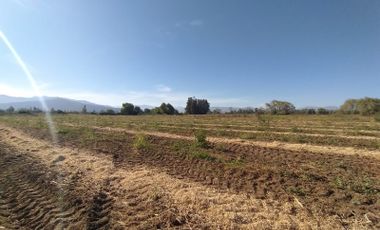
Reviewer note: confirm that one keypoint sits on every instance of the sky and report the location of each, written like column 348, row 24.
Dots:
column 233, row 53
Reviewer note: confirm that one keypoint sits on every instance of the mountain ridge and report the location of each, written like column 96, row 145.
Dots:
column 57, row 103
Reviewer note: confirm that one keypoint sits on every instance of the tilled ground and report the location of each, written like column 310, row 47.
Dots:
column 237, row 186
column 32, row 197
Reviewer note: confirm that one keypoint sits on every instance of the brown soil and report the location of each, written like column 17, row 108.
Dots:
column 239, row 141
column 117, row 187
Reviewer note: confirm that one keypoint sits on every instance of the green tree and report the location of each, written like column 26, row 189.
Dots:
column 280, row 107
column 137, row 110
column 107, row 112
column 323, row 111
column 84, row 109
column 364, row 106
column 349, row 106
column 11, row 109
column 197, row 106
column 127, row 109
column 147, row 111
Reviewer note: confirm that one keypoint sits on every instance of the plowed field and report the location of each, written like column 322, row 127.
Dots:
column 111, row 173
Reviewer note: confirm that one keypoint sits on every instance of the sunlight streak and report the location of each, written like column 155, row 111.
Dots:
column 34, row 85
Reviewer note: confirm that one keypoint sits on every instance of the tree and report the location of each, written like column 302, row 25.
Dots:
column 107, row 112
column 349, row 106
column 171, row 110
column 280, row 107
column 84, row 109
column 364, row 106
column 323, row 111
column 137, row 110
column 216, row 111
column 130, row 109
column 11, row 109
column 164, row 109
column 167, row 109
column 127, row 109
column 147, row 111
column 197, row 106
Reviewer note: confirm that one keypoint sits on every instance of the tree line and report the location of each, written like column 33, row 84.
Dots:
column 363, row 106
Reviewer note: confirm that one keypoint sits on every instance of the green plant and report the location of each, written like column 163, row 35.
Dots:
column 295, row 129
column 365, row 186
column 141, row 142
column 264, row 120
column 201, row 139
column 235, row 163
column 63, row 131
column 203, row 156
column 297, row 191
column 340, row 183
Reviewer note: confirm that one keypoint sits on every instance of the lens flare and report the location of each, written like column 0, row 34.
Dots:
column 34, row 85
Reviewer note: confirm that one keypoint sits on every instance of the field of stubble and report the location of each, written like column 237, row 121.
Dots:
column 156, row 172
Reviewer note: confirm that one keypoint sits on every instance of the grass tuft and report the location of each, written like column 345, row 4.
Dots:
column 297, row 191
column 201, row 139
column 203, row 156
column 141, row 142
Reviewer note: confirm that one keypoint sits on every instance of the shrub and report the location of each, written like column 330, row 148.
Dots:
column 264, row 120
column 340, row 183
column 365, row 186
column 280, row 107
column 141, row 142
column 201, row 139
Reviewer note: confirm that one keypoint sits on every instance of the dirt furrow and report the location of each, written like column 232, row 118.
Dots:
column 142, row 192
column 238, row 141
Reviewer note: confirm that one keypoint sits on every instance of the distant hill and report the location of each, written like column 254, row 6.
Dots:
column 8, row 99
column 63, row 104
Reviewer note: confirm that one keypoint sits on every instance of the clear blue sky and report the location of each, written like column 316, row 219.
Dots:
column 235, row 53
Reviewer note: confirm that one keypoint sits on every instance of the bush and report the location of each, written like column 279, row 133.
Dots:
column 280, row 107
column 141, row 142
column 264, row 120
column 201, row 139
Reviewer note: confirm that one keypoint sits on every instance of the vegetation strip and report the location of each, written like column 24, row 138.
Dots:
column 274, row 144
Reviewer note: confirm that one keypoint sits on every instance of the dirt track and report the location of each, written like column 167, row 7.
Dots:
column 81, row 189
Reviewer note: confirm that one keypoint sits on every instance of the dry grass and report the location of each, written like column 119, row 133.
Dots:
column 193, row 203
column 146, row 196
